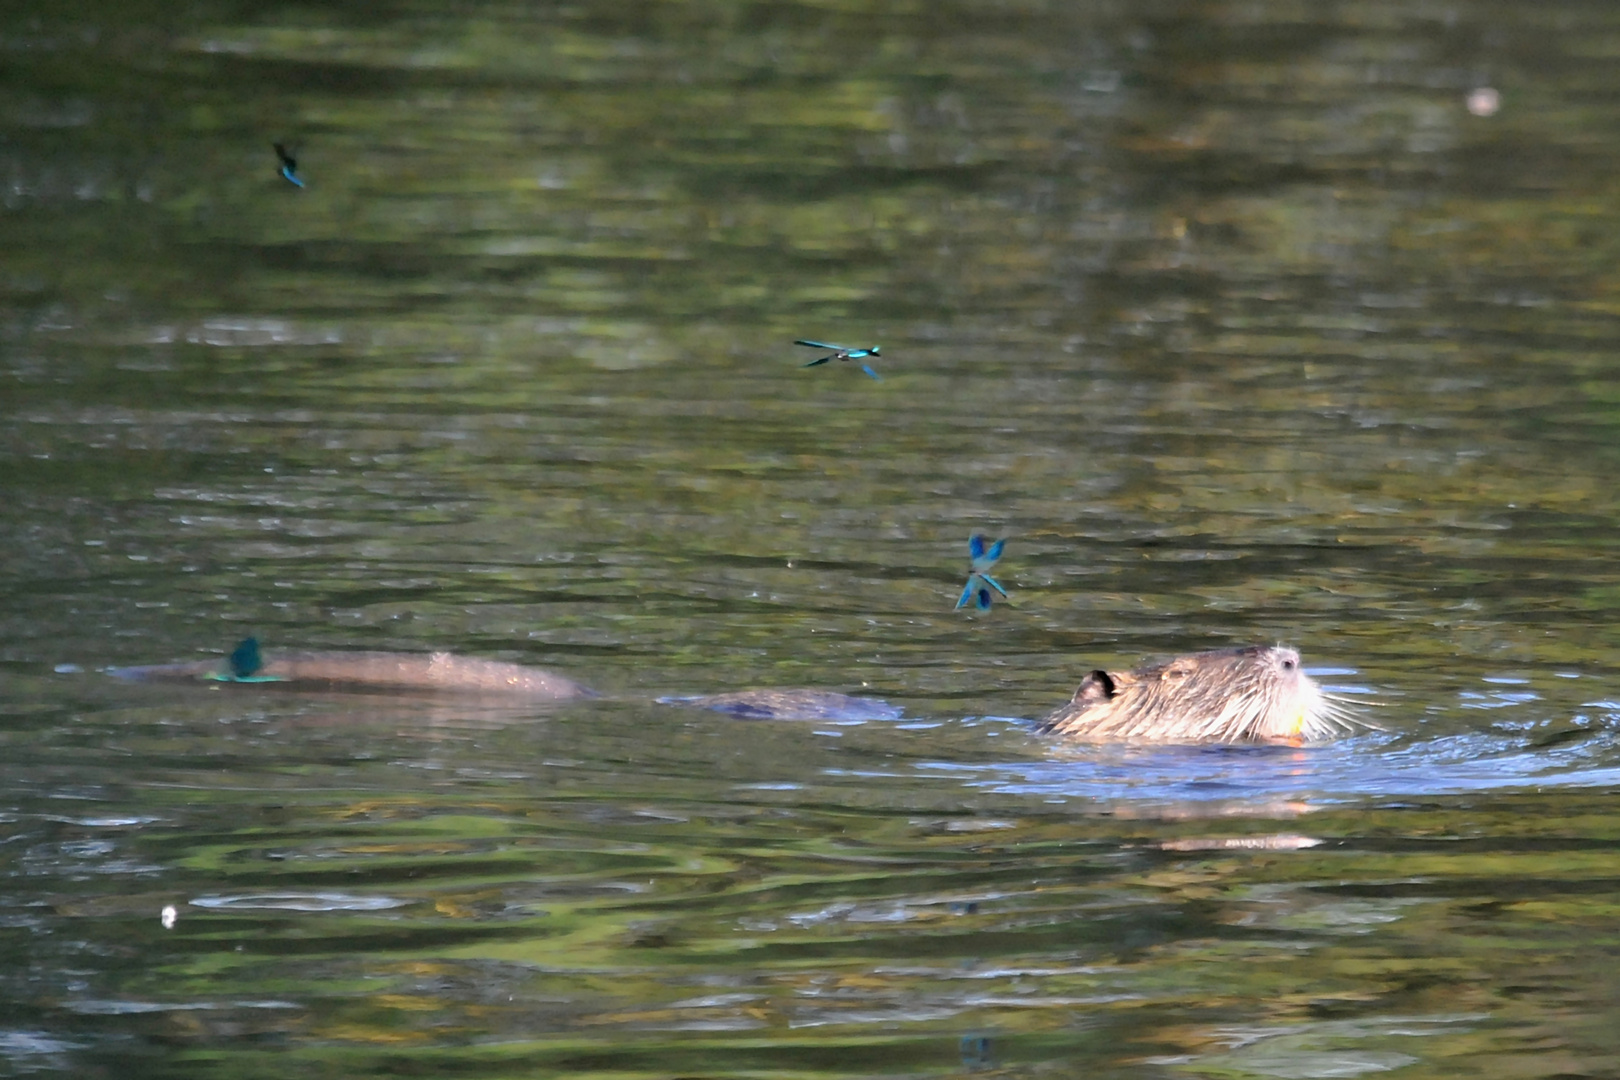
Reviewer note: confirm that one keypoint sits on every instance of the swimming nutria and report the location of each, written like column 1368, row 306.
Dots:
column 1248, row 694
column 1253, row 693
column 447, row 673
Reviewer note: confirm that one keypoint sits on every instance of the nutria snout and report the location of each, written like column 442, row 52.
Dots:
column 1253, row 693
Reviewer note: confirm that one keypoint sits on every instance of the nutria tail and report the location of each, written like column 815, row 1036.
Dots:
column 378, row 671
column 1250, row 694
column 791, row 705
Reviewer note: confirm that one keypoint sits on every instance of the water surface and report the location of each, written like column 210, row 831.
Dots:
column 1233, row 318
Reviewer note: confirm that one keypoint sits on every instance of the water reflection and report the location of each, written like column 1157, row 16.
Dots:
column 533, row 888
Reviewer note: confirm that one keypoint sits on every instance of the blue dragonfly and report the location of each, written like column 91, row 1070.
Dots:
column 246, row 664
column 843, row 352
column 979, row 582
column 289, row 164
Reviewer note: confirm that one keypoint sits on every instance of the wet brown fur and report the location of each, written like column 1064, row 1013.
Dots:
column 382, row 671
column 1253, row 693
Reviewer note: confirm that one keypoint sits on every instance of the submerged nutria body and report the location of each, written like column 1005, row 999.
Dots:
column 446, row 673
column 1250, row 694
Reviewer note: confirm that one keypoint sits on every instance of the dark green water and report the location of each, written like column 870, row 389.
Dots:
column 1233, row 318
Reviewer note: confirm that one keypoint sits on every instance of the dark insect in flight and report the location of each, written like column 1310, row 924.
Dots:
column 289, row 164
column 843, row 352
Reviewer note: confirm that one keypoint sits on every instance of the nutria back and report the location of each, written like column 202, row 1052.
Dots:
column 1252, row 693
column 380, row 671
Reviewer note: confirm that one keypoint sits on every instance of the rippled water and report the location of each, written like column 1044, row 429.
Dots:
column 1233, row 318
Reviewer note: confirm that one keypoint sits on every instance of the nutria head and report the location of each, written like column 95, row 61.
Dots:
column 1254, row 693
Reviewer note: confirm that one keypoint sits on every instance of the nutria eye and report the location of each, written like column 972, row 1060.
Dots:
column 1288, row 665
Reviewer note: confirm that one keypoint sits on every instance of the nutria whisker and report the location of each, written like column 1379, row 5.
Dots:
column 1345, row 716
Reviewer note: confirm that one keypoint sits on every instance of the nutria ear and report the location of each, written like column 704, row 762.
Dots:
column 1098, row 686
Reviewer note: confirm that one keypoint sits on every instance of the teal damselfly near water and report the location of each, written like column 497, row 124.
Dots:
column 979, row 582
column 289, row 164
column 246, row 662
column 843, row 352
